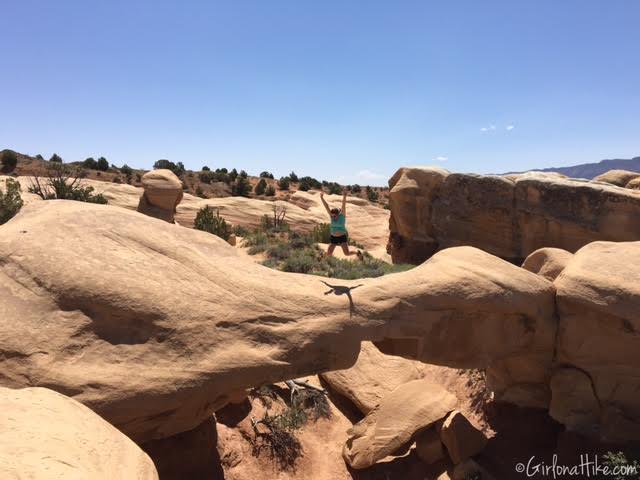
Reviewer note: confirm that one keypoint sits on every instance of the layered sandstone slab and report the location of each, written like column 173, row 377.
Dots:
column 411, row 407
column 508, row 216
column 617, row 177
column 155, row 326
column 599, row 334
column 46, row 435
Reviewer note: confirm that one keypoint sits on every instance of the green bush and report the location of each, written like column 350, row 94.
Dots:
column 293, row 177
column 300, row 261
column 62, row 182
column 356, row 188
column 10, row 201
column 372, row 195
column 215, row 224
column 243, row 174
column 307, row 183
column 116, row 179
column 334, row 188
column 200, row 192
column 233, row 174
column 241, row 187
column 270, row 191
column 278, row 251
column 39, row 157
column 102, row 164
column 90, row 163
column 260, row 187
column 207, row 176
column 322, row 233
column 266, row 174
column 283, row 183
column 177, row 168
column 206, row 169
column 55, row 158
column 9, row 160
column 126, row 170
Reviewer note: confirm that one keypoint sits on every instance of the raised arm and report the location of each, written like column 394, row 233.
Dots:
column 344, row 202
column 324, row 202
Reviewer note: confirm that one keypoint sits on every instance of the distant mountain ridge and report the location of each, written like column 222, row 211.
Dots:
column 592, row 170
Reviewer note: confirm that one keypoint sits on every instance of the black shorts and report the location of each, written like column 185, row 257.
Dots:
column 339, row 240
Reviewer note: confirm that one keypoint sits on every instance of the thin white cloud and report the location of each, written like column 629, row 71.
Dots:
column 369, row 175
column 510, row 127
column 490, row 128
column 441, row 159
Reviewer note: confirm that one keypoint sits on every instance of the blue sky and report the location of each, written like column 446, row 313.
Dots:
column 340, row 90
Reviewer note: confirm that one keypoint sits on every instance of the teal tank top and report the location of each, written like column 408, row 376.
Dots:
column 338, row 225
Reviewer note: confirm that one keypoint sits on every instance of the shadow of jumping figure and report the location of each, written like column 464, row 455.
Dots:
column 342, row 290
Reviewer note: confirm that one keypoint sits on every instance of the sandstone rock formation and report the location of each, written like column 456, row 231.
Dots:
column 429, row 446
column 432, row 209
column 155, row 327
column 598, row 302
column 548, row 262
column 162, row 194
column 46, row 435
column 411, row 407
column 461, row 438
column 619, row 178
column 634, row 184
column 372, row 377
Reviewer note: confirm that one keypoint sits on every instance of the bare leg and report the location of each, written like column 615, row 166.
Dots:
column 330, row 250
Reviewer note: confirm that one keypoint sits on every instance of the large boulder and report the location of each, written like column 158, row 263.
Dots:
column 411, row 407
column 619, row 178
column 462, row 439
column 46, row 435
column 411, row 196
column 372, row 377
column 547, row 262
column 598, row 302
column 162, row 194
column 155, row 327
column 510, row 217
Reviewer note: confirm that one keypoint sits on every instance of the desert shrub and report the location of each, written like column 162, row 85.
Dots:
column 372, row 195
column 257, row 242
column 304, row 187
column 279, row 250
column 270, row 191
column 284, row 183
column 10, row 201
column 243, row 174
column 206, row 169
column 39, row 157
column 356, row 188
column 126, row 170
column 300, row 261
column 233, row 174
column 138, row 177
column 293, row 177
column 215, row 224
column 177, row 168
column 55, row 158
column 207, row 176
column 90, row 163
column 334, row 188
column 260, row 187
column 9, row 160
column 241, row 187
column 266, row 174
column 63, row 182
column 309, row 183
column 116, row 179
column 102, row 164
column 300, row 240
column 322, row 233
column 200, row 192
column 240, row 230
column 280, row 444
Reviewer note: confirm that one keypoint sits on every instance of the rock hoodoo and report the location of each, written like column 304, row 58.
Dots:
column 162, row 194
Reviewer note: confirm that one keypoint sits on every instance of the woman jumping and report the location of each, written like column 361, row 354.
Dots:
column 339, row 234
